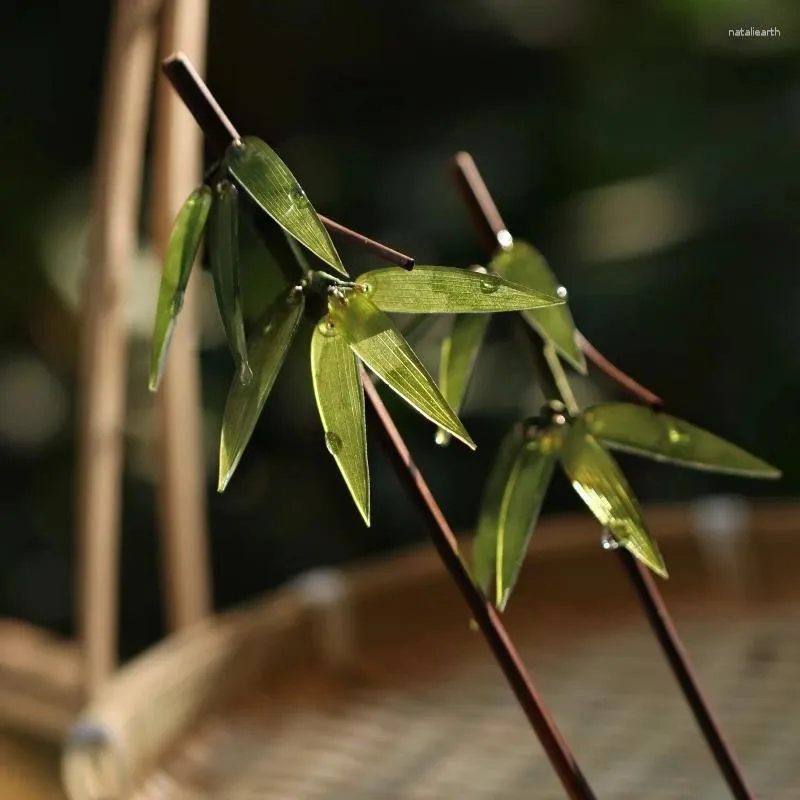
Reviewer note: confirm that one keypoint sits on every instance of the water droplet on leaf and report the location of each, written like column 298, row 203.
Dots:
column 245, row 374
column 333, row 442
column 442, row 437
column 676, row 437
column 609, row 542
column 326, row 327
column 489, row 284
column 298, row 196
column 561, row 292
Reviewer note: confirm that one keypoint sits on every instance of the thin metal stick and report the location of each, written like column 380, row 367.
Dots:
column 220, row 132
column 445, row 542
column 476, row 196
column 494, row 234
column 664, row 628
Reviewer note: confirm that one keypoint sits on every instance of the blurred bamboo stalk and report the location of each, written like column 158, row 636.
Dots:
column 177, row 170
column 112, row 246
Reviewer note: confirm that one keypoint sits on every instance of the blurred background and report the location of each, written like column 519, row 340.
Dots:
column 650, row 156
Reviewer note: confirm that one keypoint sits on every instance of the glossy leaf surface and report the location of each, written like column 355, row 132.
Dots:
column 377, row 342
column 267, row 352
column 459, row 353
column 599, row 481
column 259, row 170
column 484, row 547
column 340, row 400
column 448, row 290
column 182, row 247
column 644, row 432
column 224, row 257
column 525, row 265
column 522, row 502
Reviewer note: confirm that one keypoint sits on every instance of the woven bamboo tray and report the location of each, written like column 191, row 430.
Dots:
column 370, row 684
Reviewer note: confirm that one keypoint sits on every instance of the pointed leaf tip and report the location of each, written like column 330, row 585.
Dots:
column 267, row 351
column 484, row 547
column 600, row 483
column 181, row 252
column 449, row 290
column 522, row 503
column 259, row 170
column 640, row 430
column 376, row 341
column 458, row 356
column 340, row 400
column 525, row 265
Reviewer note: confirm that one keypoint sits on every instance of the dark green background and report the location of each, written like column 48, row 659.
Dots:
column 558, row 102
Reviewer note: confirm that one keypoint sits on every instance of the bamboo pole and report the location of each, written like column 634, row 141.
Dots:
column 177, row 168
column 112, row 246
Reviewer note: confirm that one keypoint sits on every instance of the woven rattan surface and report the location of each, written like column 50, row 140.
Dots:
column 428, row 715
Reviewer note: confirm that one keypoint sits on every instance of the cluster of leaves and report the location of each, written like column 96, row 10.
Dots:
column 579, row 440
column 350, row 317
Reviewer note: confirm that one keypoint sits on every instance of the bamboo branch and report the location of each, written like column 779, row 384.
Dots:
column 177, row 169
column 477, row 198
column 112, row 247
column 497, row 638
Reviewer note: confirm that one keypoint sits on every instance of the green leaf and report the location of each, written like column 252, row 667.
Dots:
column 259, row 170
column 377, row 342
column 184, row 242
column 484, row 547
column 598, row 480
column 340, row 400
column 224, row 256
column 458, row 356
column 523, row 264
column 522, row 502
column 449, row 290
column 267, row 352
column 640, row 430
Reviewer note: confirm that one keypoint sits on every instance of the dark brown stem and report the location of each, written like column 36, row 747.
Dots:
column 444, row 540
column 476, row 196
column 664, row 628
column 486, row 617
column 220, row 132
column 494, row 234
column 380, row 250
column 641, row 393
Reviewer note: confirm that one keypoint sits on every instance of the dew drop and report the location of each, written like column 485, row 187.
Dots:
column 561, row 292
column 245, row 374
column 333, row 442
column 442, row 437
column 676, row 437
column 489, row 284
column 298, row 196
column 504, row 238
column 326, row 327
column 609, row 542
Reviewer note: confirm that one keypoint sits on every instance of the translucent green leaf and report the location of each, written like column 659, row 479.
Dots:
column 522, row 501
column 644, row 432
column 459, row 353
column 448, row 290
column 525, row 265
column 267, row 351
column 184, row 242
column 224, row 256
column 340, row 400
column 484, row 547
column 377, row 342
column 598, row 480
column 259, row 170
